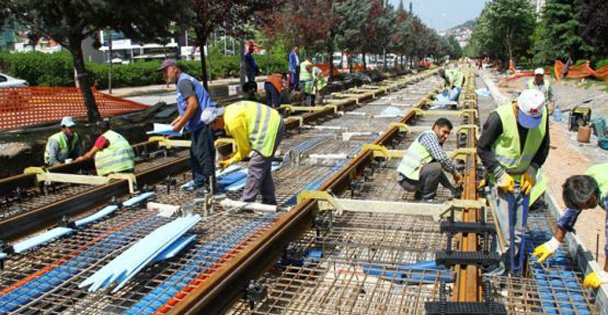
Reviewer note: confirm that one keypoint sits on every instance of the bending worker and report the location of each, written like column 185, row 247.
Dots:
column 453, row 80
column 580, row 192
column 421, row 169
column 540, row 83
column 514, row 144
column 256, row 129
column 63, row 145
column 192, row 99
column 111, row 151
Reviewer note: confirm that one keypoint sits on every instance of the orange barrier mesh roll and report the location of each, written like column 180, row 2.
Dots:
column 580, row 71
column 26, row 106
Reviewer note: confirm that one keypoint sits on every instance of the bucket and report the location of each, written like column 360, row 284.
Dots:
column 584, row 134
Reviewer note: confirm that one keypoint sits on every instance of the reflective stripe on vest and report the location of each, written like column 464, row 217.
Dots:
column 262, row 126
column 305, row 75
column 64, row 150
column 540, row 187
column 117, row 157
column 416, row 157
column 599, row 172
column 507, row 146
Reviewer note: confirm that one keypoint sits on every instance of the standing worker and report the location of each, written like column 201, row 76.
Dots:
column 251, row 68
column 274, row 86
column 306, row 81
column 580, row 192
column 192, row 99
column 259, row 129
column 540, row 83
column 294, row 68
column 514, row 144
column 421, row 169
column 63, row 145
column 111, row 151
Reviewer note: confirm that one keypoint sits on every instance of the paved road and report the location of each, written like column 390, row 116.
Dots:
column 154, row 98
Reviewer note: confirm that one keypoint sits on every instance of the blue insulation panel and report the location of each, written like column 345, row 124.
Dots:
column 41, row 239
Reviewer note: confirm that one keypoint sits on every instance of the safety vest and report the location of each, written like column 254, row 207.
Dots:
column 507, row 149
column 304, row 74
column 117, row 157
column 540, row 187
column 416, row 157
column 320, row 81
column 543, row 88
column 599, row 172
column 202, row 96
column 455, row 76
column 65, row 150
column 276, row 79
column 262, row 125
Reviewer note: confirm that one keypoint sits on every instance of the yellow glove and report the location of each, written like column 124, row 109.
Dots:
column 546, row 250
column 594, row 280
column 506, row 182
column 528, row 180
column 225, row 163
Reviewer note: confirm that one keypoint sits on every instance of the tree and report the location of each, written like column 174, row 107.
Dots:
column 557, row 36
column 594, row 16
column 231, row 15
column 353, row 19
column 455, row 51
column 69, row 22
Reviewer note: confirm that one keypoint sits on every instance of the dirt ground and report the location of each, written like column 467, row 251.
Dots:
column 569, row 157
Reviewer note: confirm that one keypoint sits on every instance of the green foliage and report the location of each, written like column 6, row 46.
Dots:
column 557, row 36
column 40, row 69
column 601, row 63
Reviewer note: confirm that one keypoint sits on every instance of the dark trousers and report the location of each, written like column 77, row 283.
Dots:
column 202, row 156
column 309, row 99
column 273, row 98
column 259, row 176
column 431, row 175
column 294, row 80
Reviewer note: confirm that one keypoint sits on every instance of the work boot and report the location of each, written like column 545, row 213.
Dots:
column 202, row 191
column 456, row 192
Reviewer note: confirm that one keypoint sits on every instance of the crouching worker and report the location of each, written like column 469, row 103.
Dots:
column 256, row 129
column 422, row 168
column 112, row 152
column 64, row 145
column 580, row 192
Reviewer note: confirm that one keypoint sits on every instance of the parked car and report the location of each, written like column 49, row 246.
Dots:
column 8, row 81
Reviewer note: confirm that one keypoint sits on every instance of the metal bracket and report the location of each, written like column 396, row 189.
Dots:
column 466, row 128
column 323, row 196
column 294, row 108
column 300, row 119
column 459, row 113
column 378, row 151
column 168, row 143
column 462, row 152
column 130, row 177
column 48, row 177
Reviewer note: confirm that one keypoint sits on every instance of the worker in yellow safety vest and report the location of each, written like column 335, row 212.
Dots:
column 256, row 129
column 453, row 81
column 112, row 152
column 422, row 168
column 580, row 192
column 514, row 144
column 307, row 82
column 64, row 145
column 544, row 85
column 319, row 83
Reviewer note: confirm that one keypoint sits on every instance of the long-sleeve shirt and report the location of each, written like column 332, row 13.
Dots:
column 237, row 127
column 56, row 157
column 250, row 62
column 430, row 141
column 567, row 221
column 492, row 129
column 294, row 61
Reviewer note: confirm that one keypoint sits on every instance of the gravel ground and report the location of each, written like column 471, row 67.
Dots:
column 568, row 156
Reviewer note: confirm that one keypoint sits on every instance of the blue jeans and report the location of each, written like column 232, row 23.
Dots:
column 202, row 156
column 273, row 98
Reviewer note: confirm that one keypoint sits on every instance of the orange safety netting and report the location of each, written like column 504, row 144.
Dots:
column 25, row 106
column 581, row 71
column 325, row 69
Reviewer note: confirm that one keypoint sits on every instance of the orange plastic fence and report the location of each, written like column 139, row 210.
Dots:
column 325, row 69
column 581, row 71
column 25, row 106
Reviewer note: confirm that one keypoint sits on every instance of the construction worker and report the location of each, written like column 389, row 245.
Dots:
column 540, row 83
column 274, row 86
column 192, row 99
column 422, row 168
column 63, row 145
column 251, row 68
column 111, row 151
column 294, row 68
column 319, row 83
column 514, row 144
column 453, row 80
column 580, row 192
column 256, row 129
column 306, row 81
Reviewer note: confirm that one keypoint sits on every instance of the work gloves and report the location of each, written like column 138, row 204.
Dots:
column 225, row 163
column 546, row 250
column 506, row 182
column 457, row 177
column 594, row 280
column 528, row 180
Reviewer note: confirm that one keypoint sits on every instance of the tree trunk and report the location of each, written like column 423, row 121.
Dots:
column 364, row 61
column 202, row 41
column 83, row 82
column 330, row 54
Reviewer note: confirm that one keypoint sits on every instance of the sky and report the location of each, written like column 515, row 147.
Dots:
column 444, row 14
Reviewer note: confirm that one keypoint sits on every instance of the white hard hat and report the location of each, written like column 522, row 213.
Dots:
column 531, row 106
column 540, row 71
column 67, row 121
